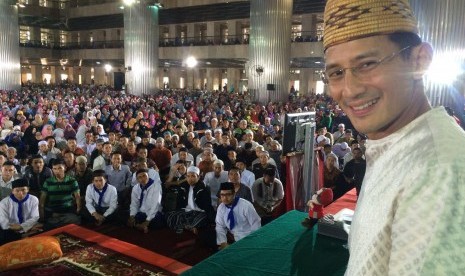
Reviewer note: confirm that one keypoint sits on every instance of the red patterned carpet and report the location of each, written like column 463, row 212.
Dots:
column 86, row 252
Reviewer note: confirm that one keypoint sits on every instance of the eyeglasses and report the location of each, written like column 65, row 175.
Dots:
column 362, row 71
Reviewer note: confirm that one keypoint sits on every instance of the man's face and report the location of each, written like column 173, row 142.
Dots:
column 234, row 176
column 196, row 143
column 107, row 149
column 240, row 165
column 20, row 192
column 264, row 158
column 116, row 160
column 225, row 140
column 69, row 159
column 232, row 155
column 99, row 182
column 227, row 197
column 72, row 145
column 379, row 105
column 143, row 178
column 123, row 141
column 142, row 153
column 192, row 178
column 81, row 166
column 217, row 168
column 183, row 155
column 357, row 154
column 59, row 171
column 37, row 165
column 8, row 171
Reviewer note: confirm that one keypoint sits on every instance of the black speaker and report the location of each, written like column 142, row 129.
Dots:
column 270, row 87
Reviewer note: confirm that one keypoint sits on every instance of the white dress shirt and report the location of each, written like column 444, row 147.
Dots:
column 247, row 178
column 110, row 199
column 153, row 174
column 151, row 203
column 246, row 221
column 9, row 213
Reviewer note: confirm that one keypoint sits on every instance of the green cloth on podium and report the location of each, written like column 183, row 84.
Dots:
column 283, row 247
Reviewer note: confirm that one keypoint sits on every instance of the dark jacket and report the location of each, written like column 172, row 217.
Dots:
column 202, row 198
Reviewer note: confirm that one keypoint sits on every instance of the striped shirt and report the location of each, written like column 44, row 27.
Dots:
column 60, row 193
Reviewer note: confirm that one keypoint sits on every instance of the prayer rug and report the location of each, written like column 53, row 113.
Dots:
column 86, row 252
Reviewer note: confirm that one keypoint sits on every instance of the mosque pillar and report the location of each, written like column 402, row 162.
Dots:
column 441, row 24
column 99, row 75
column 309, row 21
column 269, row 50
column 86, row 75
column 36, row 72
column 233, row 75
column 141, row 36
column 10, row 66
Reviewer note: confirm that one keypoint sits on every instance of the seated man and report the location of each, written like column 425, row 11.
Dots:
column 268, row 193
column 19, row 212
column 235, row 215
column 145, row 209
column 197, row 210
column 101, row 199
column 60, row 200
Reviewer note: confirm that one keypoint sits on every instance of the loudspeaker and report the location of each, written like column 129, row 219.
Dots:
column 270, row 87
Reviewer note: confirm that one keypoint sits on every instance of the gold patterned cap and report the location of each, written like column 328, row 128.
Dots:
column 347, row 20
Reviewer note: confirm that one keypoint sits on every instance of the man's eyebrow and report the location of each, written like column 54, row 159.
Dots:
column 369, row 53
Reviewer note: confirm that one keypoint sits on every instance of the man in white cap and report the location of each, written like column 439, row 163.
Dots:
column 340, row 131
column 409, row 216
column 196, row 210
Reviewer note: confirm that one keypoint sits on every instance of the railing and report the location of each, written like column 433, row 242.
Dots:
column 164, row 42
column 109, row 44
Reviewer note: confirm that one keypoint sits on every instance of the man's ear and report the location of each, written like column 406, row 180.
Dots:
column 422, row 56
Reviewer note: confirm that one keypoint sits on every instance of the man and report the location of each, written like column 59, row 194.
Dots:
column 141, row 163
column 354, row 170
column 247, row 177
column 197, row 210
column 60, row 201
column 340, row 132
column 214, row 179
column 120, row 177
column 268, row 193
column 405, row 222
column 145, row 210
column 82, row 174
column 183, row 155
column 19, row 213
column 258, row 169
column 196, row 150
column 101, row 199
column 103, row 159
column 7, row 177
column 235, row 215
column 222, row 149
column 241, row 190
column 162, row 157
column 73, row 147
column 36, row 174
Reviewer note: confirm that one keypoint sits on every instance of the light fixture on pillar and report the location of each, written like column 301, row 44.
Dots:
column 257, row 70
column 108, row 68
column 20, row 4
column 129, row 2
column 191, row 62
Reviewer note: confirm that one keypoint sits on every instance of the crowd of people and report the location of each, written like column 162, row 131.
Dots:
column 177, row 158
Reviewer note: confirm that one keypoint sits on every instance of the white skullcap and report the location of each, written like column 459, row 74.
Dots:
column 42, row 143
column 193, row 169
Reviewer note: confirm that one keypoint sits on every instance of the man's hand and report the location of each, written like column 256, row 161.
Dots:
column 131, row 221
column 144, row 226
column 223, row 245
column 99, row 218
column 16, row 227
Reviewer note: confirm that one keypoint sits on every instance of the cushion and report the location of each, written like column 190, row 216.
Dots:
column 29, row 251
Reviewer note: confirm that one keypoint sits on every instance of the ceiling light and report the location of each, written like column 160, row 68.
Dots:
column 129, row 2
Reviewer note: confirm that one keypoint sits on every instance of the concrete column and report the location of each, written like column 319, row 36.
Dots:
column 305, row 79
column 233, row 75
column 269, row 50
column 141, row 37
column 213, row 79
column 309, row 21
column 10, row 67
column 76, row 71
column 36, row 71
column 99, row 75
column 86, row 75
column 55, row 71
column 172, row 31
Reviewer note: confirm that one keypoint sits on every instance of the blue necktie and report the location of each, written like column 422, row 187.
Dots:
column 100, row 194
column 20, row 206
column 144, row 188
column 231, row 219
